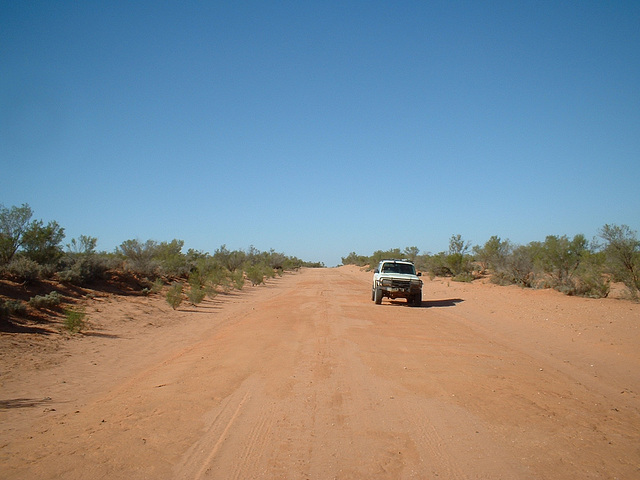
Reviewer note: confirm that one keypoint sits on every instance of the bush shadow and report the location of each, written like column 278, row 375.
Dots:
column 23, row 403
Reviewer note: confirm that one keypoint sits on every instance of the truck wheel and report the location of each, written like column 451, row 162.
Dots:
column 373, row 294
column 378, row 296
column 417, row 300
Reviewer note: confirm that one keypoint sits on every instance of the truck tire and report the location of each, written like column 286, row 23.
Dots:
column 416, row 300
column 373, row 294
column 378, row 296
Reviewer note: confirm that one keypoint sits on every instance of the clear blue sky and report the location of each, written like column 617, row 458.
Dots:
column 321, row 128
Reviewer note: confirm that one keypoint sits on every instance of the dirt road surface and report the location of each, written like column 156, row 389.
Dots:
column 306, row 378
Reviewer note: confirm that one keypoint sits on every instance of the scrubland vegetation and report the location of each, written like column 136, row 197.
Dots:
column 33, row 255
column 573, row 266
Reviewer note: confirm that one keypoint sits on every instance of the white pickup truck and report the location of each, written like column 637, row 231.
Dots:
column 397, row 279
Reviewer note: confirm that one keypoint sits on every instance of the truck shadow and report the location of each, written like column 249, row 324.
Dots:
column 449, row 302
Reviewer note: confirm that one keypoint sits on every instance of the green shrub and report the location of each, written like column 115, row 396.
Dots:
column 25, row 270
column 156, row 286
column 237, row 279
column 140, row 256
column 50, row 300
column 457, row 259
column 493, row 254
column 12, row 307
column 354, row 259
column 196, row 294
column 41, row 243
column 75, row 320
column 517, row 268
column 255, row 274
column 174, row 295
column 622, row 250
column 80, row 269
column 463, row 277
column 16, row 307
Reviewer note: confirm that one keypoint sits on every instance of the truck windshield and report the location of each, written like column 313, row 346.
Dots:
column 398, row 268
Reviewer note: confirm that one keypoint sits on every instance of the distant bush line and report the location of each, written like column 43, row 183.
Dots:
column 573, row 266
column 31, row 251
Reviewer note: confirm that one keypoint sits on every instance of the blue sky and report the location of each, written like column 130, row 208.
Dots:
column 321, row 128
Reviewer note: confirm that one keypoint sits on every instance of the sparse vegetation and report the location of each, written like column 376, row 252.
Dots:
column 75, row 320
column 174, row 295
column 573, row 266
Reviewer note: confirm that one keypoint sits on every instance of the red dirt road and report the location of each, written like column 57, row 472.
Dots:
column 306, row 378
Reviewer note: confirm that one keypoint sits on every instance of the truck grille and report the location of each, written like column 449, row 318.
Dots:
column 401, row 283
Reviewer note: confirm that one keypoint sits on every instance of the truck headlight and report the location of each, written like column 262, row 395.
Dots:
column 387, row 282
column 416, row 283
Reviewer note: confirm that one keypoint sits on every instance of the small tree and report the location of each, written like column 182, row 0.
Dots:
column 457, row 258
column 493, row 254
column 622, row 249
column 42, row 243
column 140, row 256
column 84, row 245
column 13, row 224
column 411, row 253
column 561, row 257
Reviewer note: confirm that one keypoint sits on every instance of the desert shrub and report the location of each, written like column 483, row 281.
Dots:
column 257, row 273
column 196, row 294
column 237, row 279
column 354, row 259
column 492, row 254
column 559, row 258
column 231, row 260
column 139, row 257
column 79, row 269
column 274, row 260
column 463, row 277
column 25, row 270
column 12, row 307
column 456, row 262
column 436, row 265
column 518, row 268
column 590, row 278
column 84, row 245
column 50, row 300
column 174, row 295
column 75, row 320
column 196, row 291
column 170, row 259
column 457, row 258
column 380, row 255
column 156, row 286
column 622, row 250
